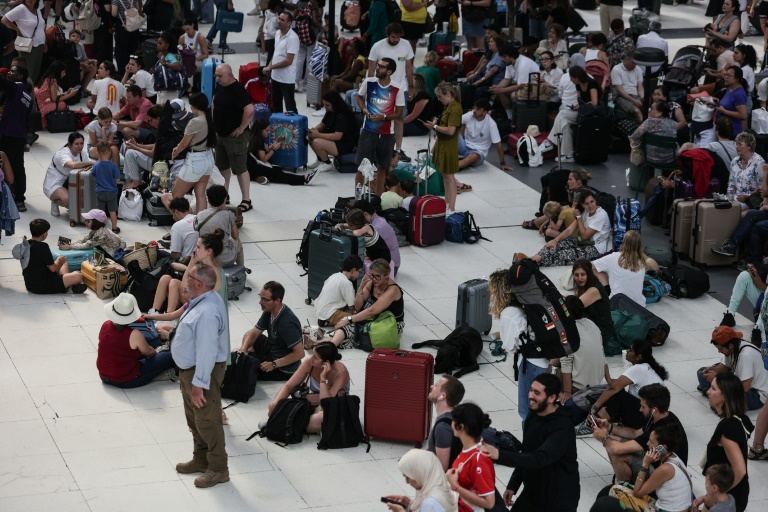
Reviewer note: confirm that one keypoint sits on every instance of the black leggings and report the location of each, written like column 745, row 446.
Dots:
column 625, row 408
column 273, row 174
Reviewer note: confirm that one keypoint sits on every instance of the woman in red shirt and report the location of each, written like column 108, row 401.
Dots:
column 472, row 474
column 125, row 359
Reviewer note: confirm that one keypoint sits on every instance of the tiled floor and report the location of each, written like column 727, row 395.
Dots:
column 68, row 443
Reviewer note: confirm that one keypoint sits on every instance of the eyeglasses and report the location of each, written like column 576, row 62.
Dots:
column 196, row 279
column 376, row 277
column 264, row 299
column 546, row 59
column 381, row 66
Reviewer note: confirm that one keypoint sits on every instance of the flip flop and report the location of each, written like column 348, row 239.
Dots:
column 757, row 454
column 464, row 188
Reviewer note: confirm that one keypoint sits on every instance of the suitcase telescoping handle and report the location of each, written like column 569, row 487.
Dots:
column 326, row 232
column 425, row 160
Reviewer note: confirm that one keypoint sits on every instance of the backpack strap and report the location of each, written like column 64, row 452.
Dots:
column 200, row 226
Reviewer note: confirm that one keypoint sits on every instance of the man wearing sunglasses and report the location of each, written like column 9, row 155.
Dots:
column 280, row 350
column 743, row 359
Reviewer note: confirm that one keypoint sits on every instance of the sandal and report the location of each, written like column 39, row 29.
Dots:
column 755, row 454
column 464, row 188
column 248, row 205
column 530, row 224
column 116, row 230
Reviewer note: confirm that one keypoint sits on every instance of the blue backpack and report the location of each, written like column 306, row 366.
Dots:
column 149, row 330
column 167, row 79
column 653, row 289
column 626, row 217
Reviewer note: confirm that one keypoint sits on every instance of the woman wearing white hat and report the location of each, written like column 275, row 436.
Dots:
column 125, row 359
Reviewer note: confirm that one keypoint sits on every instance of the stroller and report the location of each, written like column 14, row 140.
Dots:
column 685, row 71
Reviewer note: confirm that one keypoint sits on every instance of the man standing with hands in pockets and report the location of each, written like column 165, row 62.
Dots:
column 200, row 349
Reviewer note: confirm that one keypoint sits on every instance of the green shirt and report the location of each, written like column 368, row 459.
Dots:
column 377, row 16
column 432, row 77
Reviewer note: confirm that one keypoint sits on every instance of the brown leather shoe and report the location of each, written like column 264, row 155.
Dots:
column 211, row 478
column 193, row 466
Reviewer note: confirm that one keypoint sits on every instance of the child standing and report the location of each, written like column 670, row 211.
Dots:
column 106, row 175
column 102, row 129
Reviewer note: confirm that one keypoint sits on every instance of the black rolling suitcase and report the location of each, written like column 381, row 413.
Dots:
column 530, row 112
column 593, row 137
column 149, row 53
column 472, row 306
column 327, row 252
column 158, row 214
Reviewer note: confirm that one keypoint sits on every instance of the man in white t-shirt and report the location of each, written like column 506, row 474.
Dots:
column 653, row 40
column 477, row 133
column 627, row 80
column 183, row 234
column 514, row 77
column 105, row 90
column 282, row 67
column 338, row 294
column 400, row 51
column 743, row 359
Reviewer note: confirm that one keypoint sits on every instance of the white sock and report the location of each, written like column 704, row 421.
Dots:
column 510, row 113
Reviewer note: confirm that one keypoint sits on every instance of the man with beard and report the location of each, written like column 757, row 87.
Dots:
column 546, row 466
column 626, row 446
column 281, row 350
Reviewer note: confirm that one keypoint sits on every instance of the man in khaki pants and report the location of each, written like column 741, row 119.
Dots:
column 609, row 11
column 200, row 348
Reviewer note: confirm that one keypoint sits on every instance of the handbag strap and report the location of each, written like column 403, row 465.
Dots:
column 726, row 150
column 681, row 468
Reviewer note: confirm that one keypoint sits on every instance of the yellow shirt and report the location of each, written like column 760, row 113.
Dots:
column 417, row 16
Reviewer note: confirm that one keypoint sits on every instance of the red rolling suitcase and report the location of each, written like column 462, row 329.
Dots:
column 470, row 59
column 447, row 68
column 397, row 386
column 427, row 221
column 247, row 72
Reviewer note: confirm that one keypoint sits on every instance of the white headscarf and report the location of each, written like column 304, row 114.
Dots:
column 424, row 467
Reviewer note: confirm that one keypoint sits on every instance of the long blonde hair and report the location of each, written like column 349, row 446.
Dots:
column 424, row 467
column 501, row 293
column 631, row 256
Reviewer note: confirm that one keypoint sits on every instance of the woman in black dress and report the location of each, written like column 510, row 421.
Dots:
column 728, row 444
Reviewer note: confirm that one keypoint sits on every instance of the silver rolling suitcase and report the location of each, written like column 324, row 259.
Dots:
column 82, row 194
column 236, row 280
column 472, row 305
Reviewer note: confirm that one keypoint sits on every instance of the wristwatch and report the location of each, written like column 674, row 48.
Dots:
column 274, row 365
column 348, row 318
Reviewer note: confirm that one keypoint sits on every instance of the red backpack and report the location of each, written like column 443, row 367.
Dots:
column 599, row 70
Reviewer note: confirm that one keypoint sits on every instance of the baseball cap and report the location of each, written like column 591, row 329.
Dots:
column 177, row 107
column 723, row 334
column 95, row 214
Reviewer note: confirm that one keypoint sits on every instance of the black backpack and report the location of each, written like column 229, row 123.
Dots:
column 470, row 233
column 686, row 282
column 288, row 422
column 142, row 284
column 554, row 328
column 302, row 257
column 341, row 423
column 394, row 14
column 239, row 382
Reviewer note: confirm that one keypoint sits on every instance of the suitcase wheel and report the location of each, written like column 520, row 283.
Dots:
column 72, row 223
column 487, row 332
column 236, row 298
column 248, row 289
column 308, row 301
column 153, row 223
column 248, row 271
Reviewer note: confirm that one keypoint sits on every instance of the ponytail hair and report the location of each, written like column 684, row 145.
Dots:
column 200, row 102
column 444, row 88
column 471, row 418
column 645, row 350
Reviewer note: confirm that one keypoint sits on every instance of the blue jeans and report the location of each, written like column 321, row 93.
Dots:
column 757, row 237
column 149, row 368
column 528, row 372
column 744, row 228
column 206, row 10
column 464, row 152
column 537, row 28
column 221, row 5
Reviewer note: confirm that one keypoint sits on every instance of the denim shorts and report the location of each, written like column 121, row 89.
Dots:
column 465, row 151
column 196, row 165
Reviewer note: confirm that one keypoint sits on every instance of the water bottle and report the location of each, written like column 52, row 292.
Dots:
column 358, row 191
column 731, row 192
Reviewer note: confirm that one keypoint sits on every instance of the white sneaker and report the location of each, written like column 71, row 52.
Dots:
column 263, row 424
column 547, row 146
column 254, row 12
column 152, row 311
column 325, row 167
column 449, row 212
column 567, row 158
column 55, row 209
column 319, row 113
column 169, row 374
column 310, row 177
column 314, row 165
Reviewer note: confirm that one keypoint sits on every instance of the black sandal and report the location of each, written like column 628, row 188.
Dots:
column 248, row 205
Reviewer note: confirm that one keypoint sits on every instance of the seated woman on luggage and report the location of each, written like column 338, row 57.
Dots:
column 99, row 237
column 377, row 293
column 595, row 49
column 419, row 109
column 70, row 157
column 325, row 376
column 355, row 70
column 624, row 271
column 658, row 123
column 124, row 358
column 336, row 134
column 375, row 246
column 624, row 406
column 43, row 274
column 593, row 230
column 746, row 170
column 551, row 75
column 422, row 471
column 259, row 153
column 577, row 179
column 207, row 249
column 587, row 287
column 477, row 84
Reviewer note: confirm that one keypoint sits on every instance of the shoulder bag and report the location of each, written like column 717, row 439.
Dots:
column 199, row 226
column 24, row 44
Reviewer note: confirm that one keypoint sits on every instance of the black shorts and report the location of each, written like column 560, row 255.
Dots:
column 344, row 147
column 106, row 201
column 412, row 31
column 51, row 283
column 376, row 148
column 762, row 9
